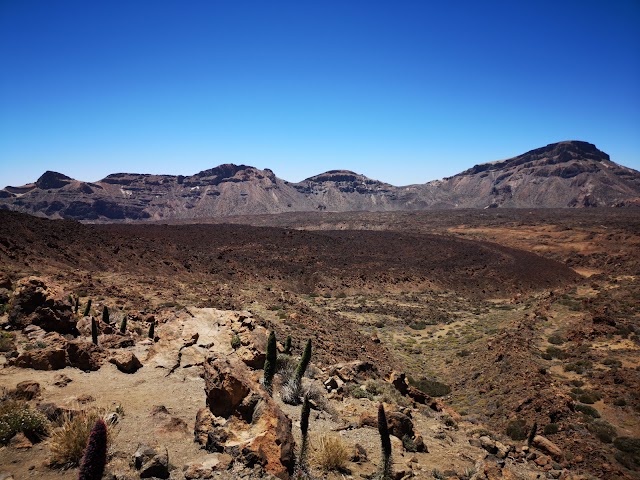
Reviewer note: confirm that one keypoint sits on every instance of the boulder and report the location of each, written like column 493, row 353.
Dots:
column 35, row 302
column 156, row 467
column 49, row 353
column 126, row 362
column 547, row 445
column 399, row 424
column 244, row 420
column 84, row 355
column 27, row 390
column 253, row 339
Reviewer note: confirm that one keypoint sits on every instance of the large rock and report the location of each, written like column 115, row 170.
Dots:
column 399, row 424
column 48, row 353
column 244, row 420
column 84, row 355
column 126, row 362
column 35, row 302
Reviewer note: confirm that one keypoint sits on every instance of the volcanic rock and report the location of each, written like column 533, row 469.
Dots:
column 36, row 302
column 257, row 430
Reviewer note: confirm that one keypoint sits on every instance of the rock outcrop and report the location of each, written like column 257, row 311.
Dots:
column 241, row 419
column 36, row 302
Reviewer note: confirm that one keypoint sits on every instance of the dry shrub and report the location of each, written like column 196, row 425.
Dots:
column 18, row 417
column 332, row 454
column 70, row 440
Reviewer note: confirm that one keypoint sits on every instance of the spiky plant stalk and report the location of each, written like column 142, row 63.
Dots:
column 87, row 309
column 385, row 440
column 301, row 466
column 304, row 362
column 105, row 315
column 123, row 325
column 532, row 433
column 77, row 305
column 95, row 455
column 152, row 330
column 94, row 331
column 287, row 345
column 270, row 362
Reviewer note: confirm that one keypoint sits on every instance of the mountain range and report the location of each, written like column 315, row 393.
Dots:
column 560, row 175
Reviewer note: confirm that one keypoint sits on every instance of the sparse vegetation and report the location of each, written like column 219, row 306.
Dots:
column 331, row 455
column 95, row 455
column 587, row 410
column 94, row 331
column 604, row 431
column 236, row 342
column 18, row 417
column 517, row 429
column 386, row 468
column 551, row 429
column 68, row 442
column 87, row 309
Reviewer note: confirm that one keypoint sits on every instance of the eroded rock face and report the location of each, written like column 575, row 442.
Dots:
column 84, row 355
column 49, row 354
column 242, row 420
column 36, row 303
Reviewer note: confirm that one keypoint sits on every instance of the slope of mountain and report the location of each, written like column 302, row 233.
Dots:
column 565, row 174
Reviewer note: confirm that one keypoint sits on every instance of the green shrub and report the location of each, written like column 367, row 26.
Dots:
column 589, row 396
column 556, row 339
column 358, row 392
column 619, row 402
column 556, row 352
column 7, row 343
column 551, row 429
column 236, row 342
column 409, row 444
column 612, row 362
column 629, row 452
column 517, row 429
column 587, row 410
column 604, row 431
column 576, row 382
column 16, row 417
column 579, row 367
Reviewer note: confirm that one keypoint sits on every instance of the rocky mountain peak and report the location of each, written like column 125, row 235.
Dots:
column 50, row 180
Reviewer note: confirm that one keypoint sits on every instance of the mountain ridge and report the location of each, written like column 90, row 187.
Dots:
column 564, row 174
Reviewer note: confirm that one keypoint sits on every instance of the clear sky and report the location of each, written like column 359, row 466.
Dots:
column 401, row 91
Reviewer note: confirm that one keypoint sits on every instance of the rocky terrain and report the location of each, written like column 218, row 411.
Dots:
column 560, row 175
column 470, row 327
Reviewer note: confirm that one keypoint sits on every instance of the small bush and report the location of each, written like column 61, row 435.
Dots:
column 589, row 396
column 6, row 342
column 556, row 352
column 576, row 382
column 629, row 452
column 358, row 392
column 579, row 367
column 17, row 417
column 604, row 431
column 409, row 444
column 556, row 339
column 517, row 429
column 236, row 342
column 587, row 410
column 619, row 402
column 612, row 362
column 331, row 454
column 69, row 441
column 449, row 421
column 551, row 429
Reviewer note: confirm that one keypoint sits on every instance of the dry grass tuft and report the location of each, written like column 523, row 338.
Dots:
column 70, row 440
column 332, row 454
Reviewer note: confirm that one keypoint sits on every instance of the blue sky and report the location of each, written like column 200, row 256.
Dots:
column 401, row 91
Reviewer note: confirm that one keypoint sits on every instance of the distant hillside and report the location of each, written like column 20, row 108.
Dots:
column 565, row 174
